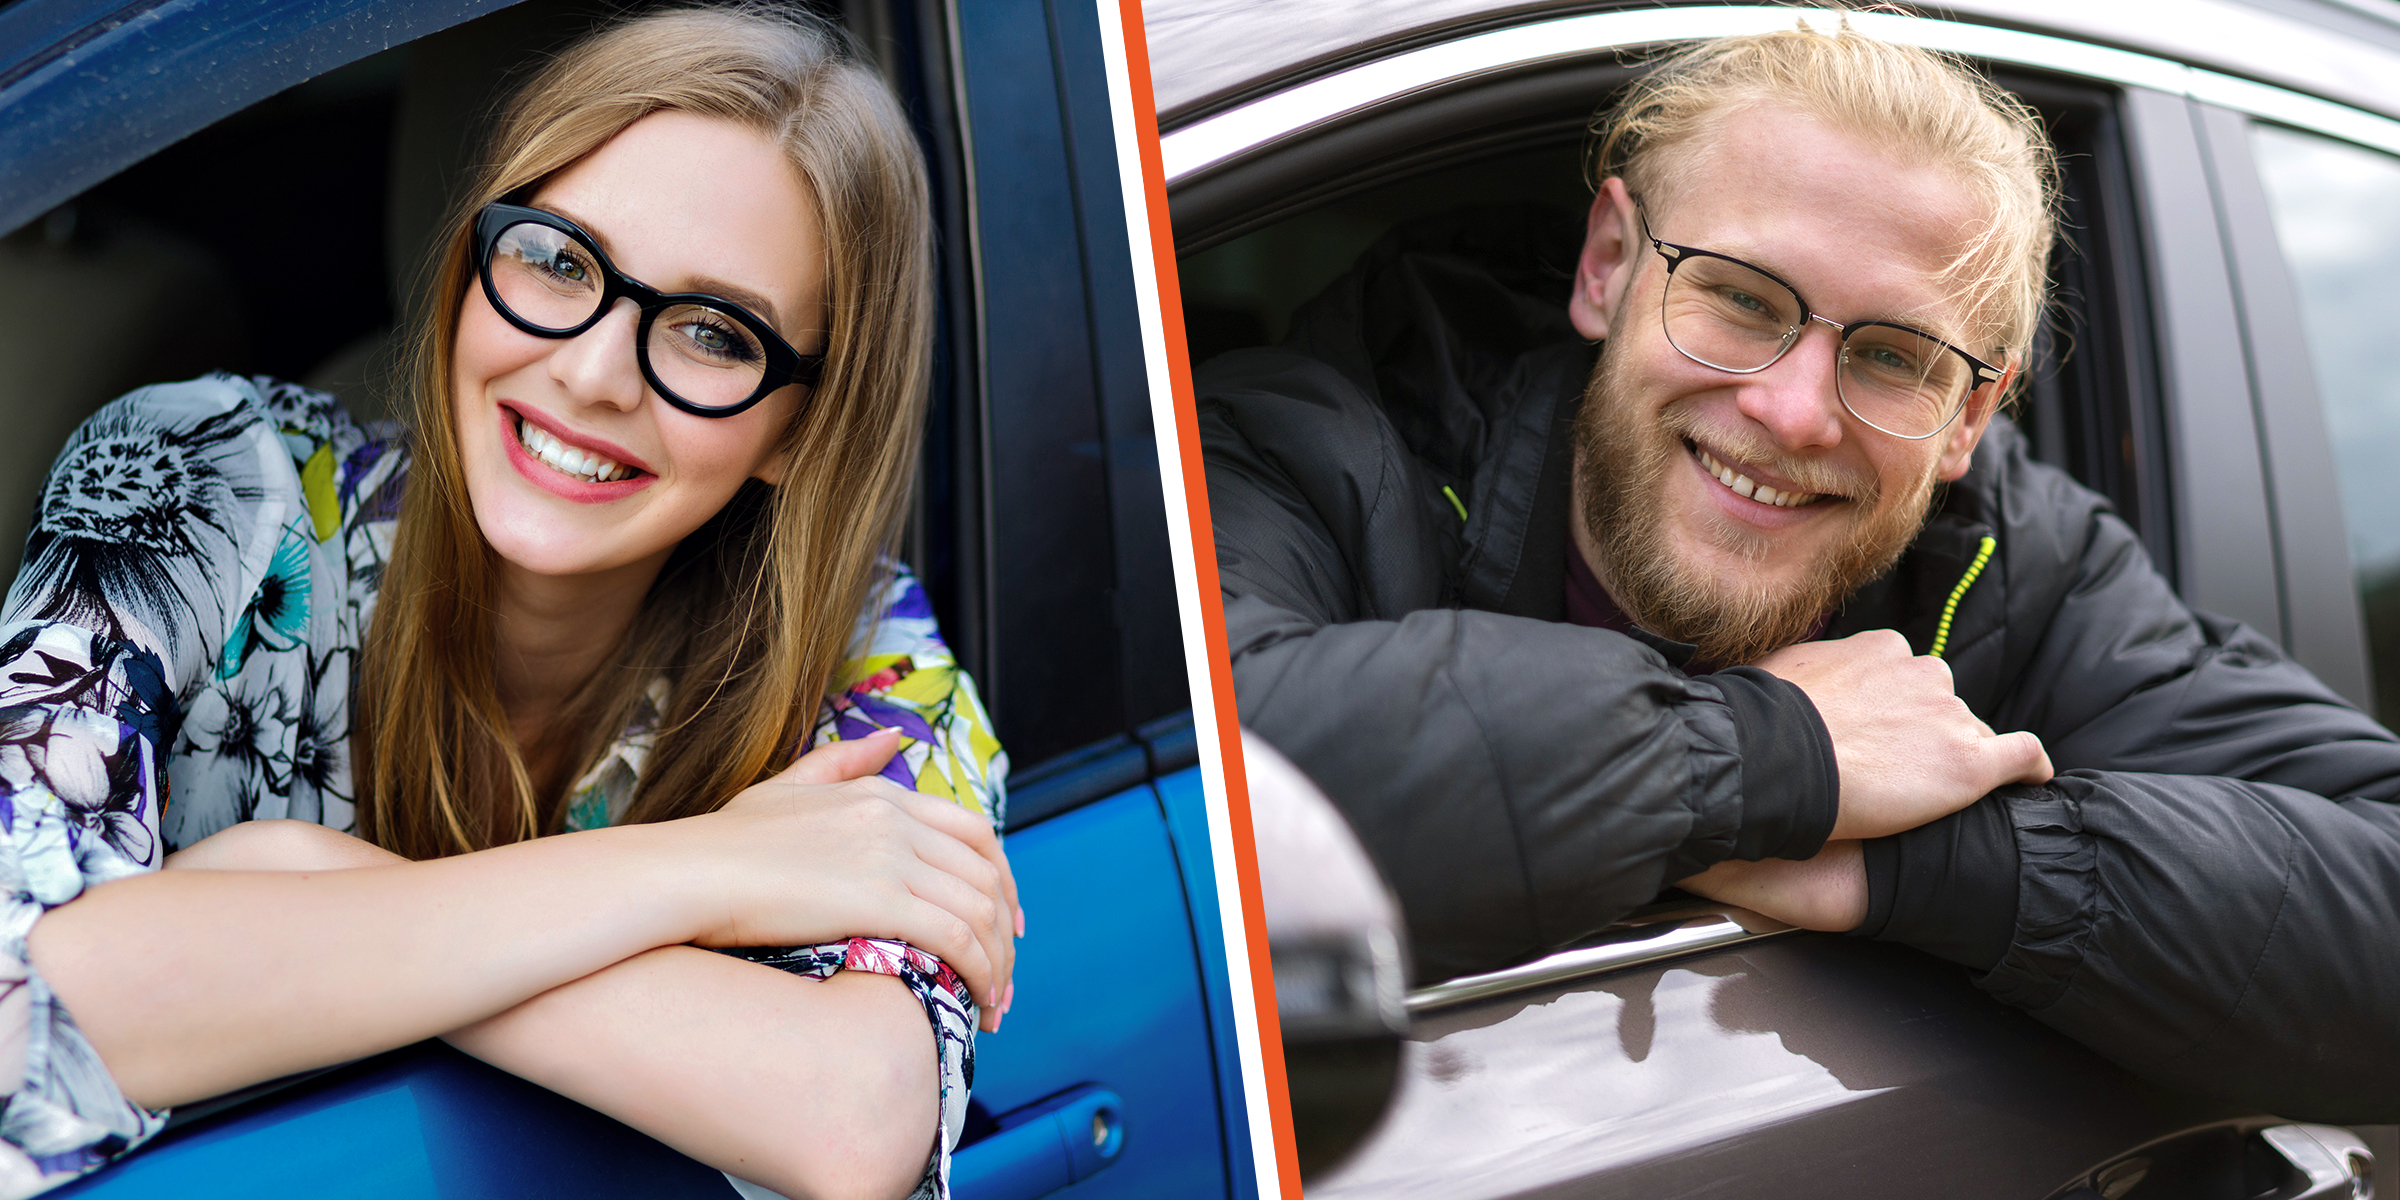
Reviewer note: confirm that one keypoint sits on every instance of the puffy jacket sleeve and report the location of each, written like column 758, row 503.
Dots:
column 2209, row 892
column 1520, row 782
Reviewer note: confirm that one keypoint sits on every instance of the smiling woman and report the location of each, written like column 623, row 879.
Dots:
column 551, row 655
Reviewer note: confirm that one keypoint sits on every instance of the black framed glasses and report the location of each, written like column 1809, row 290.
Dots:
column 703, row 354
column 1724, row 313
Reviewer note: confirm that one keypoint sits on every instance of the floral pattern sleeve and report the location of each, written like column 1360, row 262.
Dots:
column 160, row 638
column 906, row 679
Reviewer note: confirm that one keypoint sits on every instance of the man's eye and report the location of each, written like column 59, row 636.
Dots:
column 1889, row 359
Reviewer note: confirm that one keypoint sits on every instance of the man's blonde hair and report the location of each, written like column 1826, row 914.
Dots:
column 1923, row 106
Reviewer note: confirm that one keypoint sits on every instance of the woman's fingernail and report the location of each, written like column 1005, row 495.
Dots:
column 1009, row 1001
column 1020, row 922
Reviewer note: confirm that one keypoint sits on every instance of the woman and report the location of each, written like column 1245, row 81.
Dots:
column 667, row 398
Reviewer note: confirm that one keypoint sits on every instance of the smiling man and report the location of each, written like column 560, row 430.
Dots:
column 1729, row 573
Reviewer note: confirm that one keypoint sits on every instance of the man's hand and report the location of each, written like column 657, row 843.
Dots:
column 1828, row 892
column 1908, row 749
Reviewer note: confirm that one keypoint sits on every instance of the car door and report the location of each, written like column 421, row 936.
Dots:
column 1693, row 1050
column 1039, row 534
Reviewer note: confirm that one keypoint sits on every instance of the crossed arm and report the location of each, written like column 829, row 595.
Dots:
column 279, row 946
column 2204, row 893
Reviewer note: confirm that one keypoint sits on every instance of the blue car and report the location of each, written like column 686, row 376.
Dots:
column 149, row 151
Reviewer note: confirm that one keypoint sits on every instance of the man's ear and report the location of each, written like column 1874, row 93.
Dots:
column 1958, row 446
column 1611, row 248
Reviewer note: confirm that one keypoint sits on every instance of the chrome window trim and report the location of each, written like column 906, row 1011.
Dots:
column 1239, row 132
column 1663, row 936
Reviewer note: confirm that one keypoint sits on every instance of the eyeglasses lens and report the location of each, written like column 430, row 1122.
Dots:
column 702, row 354
column 546, row 277
column 706, row 356
column 1900, row 380
column 1726, row 315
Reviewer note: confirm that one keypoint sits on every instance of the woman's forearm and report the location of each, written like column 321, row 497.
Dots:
column 810, row 1087
column 190, row 983
column 813, row 1088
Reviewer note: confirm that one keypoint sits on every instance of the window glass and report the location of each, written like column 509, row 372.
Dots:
column 2337, row 213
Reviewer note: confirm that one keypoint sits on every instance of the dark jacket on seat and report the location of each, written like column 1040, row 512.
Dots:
column 2206, row 894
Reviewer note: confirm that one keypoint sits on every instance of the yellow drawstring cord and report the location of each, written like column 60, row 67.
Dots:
column 1455, row 502
column 1941, row 632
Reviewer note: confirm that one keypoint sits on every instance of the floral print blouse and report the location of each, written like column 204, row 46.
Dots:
column 176, row 657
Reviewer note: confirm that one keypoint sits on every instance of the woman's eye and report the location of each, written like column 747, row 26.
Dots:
column 712, row 338
column 565, row 265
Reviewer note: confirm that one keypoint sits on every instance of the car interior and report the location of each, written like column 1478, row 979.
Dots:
column 189, row 260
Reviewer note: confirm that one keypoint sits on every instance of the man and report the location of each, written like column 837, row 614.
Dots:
column 1558, row 629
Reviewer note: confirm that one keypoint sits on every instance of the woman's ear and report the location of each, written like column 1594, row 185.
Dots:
column 1610, row 247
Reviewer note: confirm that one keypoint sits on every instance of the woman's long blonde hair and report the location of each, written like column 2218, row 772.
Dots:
column 755, row 610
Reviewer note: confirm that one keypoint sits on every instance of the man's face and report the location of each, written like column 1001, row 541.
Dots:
column 1672, row 457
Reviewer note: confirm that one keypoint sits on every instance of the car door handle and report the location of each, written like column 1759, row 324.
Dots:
column 2244, row 1158
column 1043, row 1147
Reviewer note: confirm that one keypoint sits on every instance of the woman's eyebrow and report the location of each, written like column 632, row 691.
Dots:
column 757, row 304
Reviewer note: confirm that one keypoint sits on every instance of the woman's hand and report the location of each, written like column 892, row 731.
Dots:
column 826, row 850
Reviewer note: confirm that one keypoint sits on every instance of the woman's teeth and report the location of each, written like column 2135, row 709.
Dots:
column 591, row 468
column 1743, row 485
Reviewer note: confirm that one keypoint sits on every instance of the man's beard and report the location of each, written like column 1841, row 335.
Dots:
column 1623, row 453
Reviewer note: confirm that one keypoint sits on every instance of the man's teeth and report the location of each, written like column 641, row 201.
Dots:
column 591, row 467
column 1743, row 485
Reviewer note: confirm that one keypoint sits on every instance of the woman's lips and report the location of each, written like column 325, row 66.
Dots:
column 563, row 484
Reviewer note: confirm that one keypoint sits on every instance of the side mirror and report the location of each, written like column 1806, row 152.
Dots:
column 1341, row 975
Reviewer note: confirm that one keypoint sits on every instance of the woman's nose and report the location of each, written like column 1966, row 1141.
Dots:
column 1797, row 399
column 598, row 366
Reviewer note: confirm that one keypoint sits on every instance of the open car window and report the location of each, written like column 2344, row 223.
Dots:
column 1260, row 240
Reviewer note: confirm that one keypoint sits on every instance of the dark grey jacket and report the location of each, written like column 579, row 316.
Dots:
column 2206, row 894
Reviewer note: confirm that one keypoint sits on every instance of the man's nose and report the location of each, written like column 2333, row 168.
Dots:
column 598, row 365
column 1796, row 399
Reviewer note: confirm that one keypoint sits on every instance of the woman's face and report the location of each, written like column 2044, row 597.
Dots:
column 682, row 203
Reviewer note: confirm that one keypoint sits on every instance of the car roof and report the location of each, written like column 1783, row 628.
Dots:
column 1210, row 55
column 90, row 86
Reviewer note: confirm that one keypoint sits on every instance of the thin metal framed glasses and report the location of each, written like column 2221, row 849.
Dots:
column 1726, row 314
column 703, row 354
